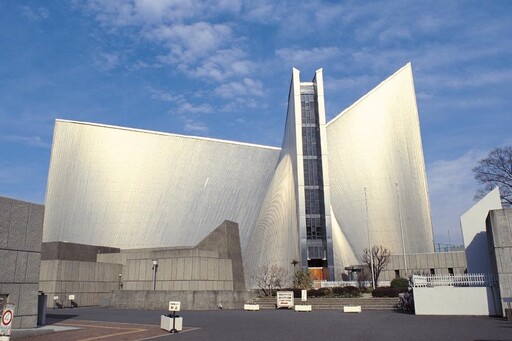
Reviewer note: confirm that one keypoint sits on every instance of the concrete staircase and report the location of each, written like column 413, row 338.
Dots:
column 335, row 303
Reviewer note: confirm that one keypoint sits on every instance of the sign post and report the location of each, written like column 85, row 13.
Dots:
column 6, row 322
column 174, row 307
column 177, row 321
column 285, row 299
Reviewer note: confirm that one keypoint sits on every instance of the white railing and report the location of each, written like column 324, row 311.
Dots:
column 459, row 280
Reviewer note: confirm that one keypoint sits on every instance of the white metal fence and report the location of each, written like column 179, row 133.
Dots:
column 459, row 280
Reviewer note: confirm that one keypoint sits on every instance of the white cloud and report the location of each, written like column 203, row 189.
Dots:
column 315, row 55
column 264, row 11
column 195, row 109
column 31, row 141
column 106, row 61
column 246, row 88
column 12, row 175
column 139, row 12
column 188, row 43
column 452, row 188
column 195, row 127
column 151, row 12
column 469, row 79
column 394, row 34
column 197, row 37
column 35, row 13
column 222, row 65
column 165, row 96
column 350, row 83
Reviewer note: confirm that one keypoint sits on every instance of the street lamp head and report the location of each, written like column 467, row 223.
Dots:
column 155, row 262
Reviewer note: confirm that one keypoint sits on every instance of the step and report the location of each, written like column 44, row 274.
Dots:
column 336, row 303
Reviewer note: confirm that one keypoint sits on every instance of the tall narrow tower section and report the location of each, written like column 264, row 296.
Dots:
column 312, row 179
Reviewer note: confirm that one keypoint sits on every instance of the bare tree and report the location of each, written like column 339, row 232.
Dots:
column 381, row 258
column 268, row 278
column 496, row 170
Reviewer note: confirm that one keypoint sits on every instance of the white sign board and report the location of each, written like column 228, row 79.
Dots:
column 285, row 299
column 71, row 297
column 6, row 320
column 304, row 295
column 174, row 306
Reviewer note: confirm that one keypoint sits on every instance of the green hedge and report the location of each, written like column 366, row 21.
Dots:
column 313, row 293
column 346, row 292
column 400, row 283
column 387, row 292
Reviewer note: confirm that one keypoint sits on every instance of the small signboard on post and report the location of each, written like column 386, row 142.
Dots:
column 6, row 322
column 304, row 295
column 71, row 297
column 285, row 299
column 174, row 306
column 177, row 321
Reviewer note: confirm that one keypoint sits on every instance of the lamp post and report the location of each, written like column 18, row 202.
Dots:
column 401, row 227
column 155, row 265
column 119, row 276
column 369, row 239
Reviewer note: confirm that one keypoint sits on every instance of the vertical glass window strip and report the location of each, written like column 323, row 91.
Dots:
column 314, row 197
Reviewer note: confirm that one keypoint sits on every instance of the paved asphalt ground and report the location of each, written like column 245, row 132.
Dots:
column 273, row 325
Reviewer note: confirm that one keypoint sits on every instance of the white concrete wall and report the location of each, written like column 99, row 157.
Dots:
column 473, row 231
column 456, row 301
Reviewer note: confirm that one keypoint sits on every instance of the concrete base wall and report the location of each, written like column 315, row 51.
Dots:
column 422, row 263
column 91, row 283
column 483, row 301
column 73, row 251
column 211, row 272
column 21, row 227
column 190, row 300
column 191, row 269
column 499, row 234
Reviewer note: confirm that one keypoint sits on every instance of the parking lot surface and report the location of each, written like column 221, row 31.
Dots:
column 111, row 324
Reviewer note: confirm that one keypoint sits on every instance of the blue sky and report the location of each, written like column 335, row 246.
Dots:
column 222, row 69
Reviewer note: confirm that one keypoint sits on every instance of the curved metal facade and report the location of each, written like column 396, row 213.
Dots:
column 376, row 144
column 128, row 188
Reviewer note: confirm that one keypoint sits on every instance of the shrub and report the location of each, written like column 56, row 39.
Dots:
column 297, row 292
column 302, row 279
column 323, row 292
column 400, row 283
column 346, row 292
column 387, row 292
column 312, row 293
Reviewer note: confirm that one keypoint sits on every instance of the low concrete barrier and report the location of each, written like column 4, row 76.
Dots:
column 252, row 307
column 303, row 307
column 352, row 309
